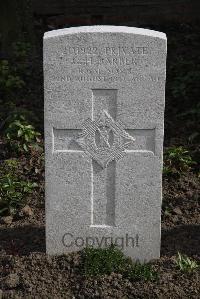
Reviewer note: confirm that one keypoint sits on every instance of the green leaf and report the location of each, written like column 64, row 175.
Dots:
column 19, row 133
column 26, row 137
column 25, row 147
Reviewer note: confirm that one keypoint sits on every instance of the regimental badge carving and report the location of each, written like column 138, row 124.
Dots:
column 104, row 139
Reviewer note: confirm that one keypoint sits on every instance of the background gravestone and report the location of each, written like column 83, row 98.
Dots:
column 104, row 111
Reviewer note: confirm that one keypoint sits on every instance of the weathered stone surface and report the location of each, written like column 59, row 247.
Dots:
column 104, row 111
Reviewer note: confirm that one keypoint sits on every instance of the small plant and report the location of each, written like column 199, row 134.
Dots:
column 166, row 211
column 186, row 264
column 11, row 165
column 13, row 194
column 21, row 135
column 139, row 271
column 177, row 160
column 104, row 261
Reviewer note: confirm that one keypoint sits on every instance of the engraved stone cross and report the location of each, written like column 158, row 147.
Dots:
column 105, row 140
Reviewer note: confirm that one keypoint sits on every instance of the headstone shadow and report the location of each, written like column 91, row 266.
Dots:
column 184, row 238
column 22, row 240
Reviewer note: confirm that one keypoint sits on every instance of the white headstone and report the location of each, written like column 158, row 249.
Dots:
column 104, row 111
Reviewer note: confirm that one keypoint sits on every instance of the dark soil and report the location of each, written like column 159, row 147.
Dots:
column 36, row 275
column 27, row 272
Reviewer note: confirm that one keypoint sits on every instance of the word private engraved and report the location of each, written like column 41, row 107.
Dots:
column 107, row 50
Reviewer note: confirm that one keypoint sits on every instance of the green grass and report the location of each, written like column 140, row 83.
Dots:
column 104, row 261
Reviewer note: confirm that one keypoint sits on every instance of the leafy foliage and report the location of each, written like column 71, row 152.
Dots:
column 186, row 264
column 13, row 194
column 177, row 160
column 21, row 135
column 104, row 261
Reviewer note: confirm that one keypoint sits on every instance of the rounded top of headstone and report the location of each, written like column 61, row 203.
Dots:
column 104, row 29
